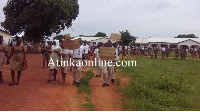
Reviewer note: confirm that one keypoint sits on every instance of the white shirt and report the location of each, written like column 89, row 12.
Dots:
column 163, row 49
column 86, row 48
column 116, row 56
column 78, row 53
column 96, row 52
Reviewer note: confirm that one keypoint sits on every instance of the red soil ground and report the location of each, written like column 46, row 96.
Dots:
column 35, row 94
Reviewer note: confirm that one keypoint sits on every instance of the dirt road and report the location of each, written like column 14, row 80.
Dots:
column 35, row 94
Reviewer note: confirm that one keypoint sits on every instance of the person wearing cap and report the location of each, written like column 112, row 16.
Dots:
column 3, row 55
column 55, row 51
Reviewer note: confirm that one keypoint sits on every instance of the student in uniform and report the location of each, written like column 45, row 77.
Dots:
column 77, row 58
column 128, row 52
column 167, row 52
column 198, row 52
column 114, row 67
column 176, row 51
column 163, row 52
column 71, row 57
column 156, row 52
column 107, row 68
column 45, row 54
column 98, row 61
column 192, row 53
column 65, row 62
column 18, row 61
column 3, row 55
column 85, row 56
column 55, row 51
column 183, row 53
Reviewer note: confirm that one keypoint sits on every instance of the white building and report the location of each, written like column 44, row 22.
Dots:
column 171, row 42
column 6, row 36
column 94, row 40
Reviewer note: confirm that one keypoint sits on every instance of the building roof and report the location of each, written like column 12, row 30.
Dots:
column 87, row 38
column 164, row 40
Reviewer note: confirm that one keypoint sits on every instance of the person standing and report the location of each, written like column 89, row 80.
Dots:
column 163, row 52
column 107, row 68
column 176, row 53
column 198, row 52
column 71, row 58
column 167, row 52
column 114, row 67
column 85, row 56
column 65, row 60
column 45, row 54
column 156, row 52
column 55, row 51
column 18, row 61
column 3, row 55
column 98, row 62
column 77, row 58
column 183, row 53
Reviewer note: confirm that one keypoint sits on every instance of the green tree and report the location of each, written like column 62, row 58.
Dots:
column 39, row 18
column 100, row 34
column 59, row 37
column 186, row 36
column 127, row 38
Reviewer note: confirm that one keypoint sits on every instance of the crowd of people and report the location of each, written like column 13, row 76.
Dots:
column 153, row 52
column 53, row 51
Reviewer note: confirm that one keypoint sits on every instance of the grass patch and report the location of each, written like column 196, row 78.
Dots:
column 89, row 105
column 84, row 83
column 85, row 88
column 160, row 84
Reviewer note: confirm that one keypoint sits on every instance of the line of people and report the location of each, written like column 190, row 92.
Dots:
column 155, row 51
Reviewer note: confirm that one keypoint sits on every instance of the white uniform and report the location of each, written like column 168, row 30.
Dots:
column 98, row 62
column 77, row 58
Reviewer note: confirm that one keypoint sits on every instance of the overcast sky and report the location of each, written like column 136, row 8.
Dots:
column 143, row 18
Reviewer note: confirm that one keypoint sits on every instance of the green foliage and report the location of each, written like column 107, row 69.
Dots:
column 84, row 85
column 38, row 18
column 89, row 105
column 118, row 81
column 127, row 38
column 157, row 84
column 100, row 34
column 59, row 37
column 186, row 36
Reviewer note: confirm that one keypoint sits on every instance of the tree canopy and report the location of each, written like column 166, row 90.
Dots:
column 100, row 34
column 127, row 38
column 39, row 18
column 186, row 36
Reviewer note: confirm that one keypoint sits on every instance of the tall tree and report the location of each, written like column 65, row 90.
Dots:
column 100, row 34
column 186, row 36
column 127, row 38
column 39, row 18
